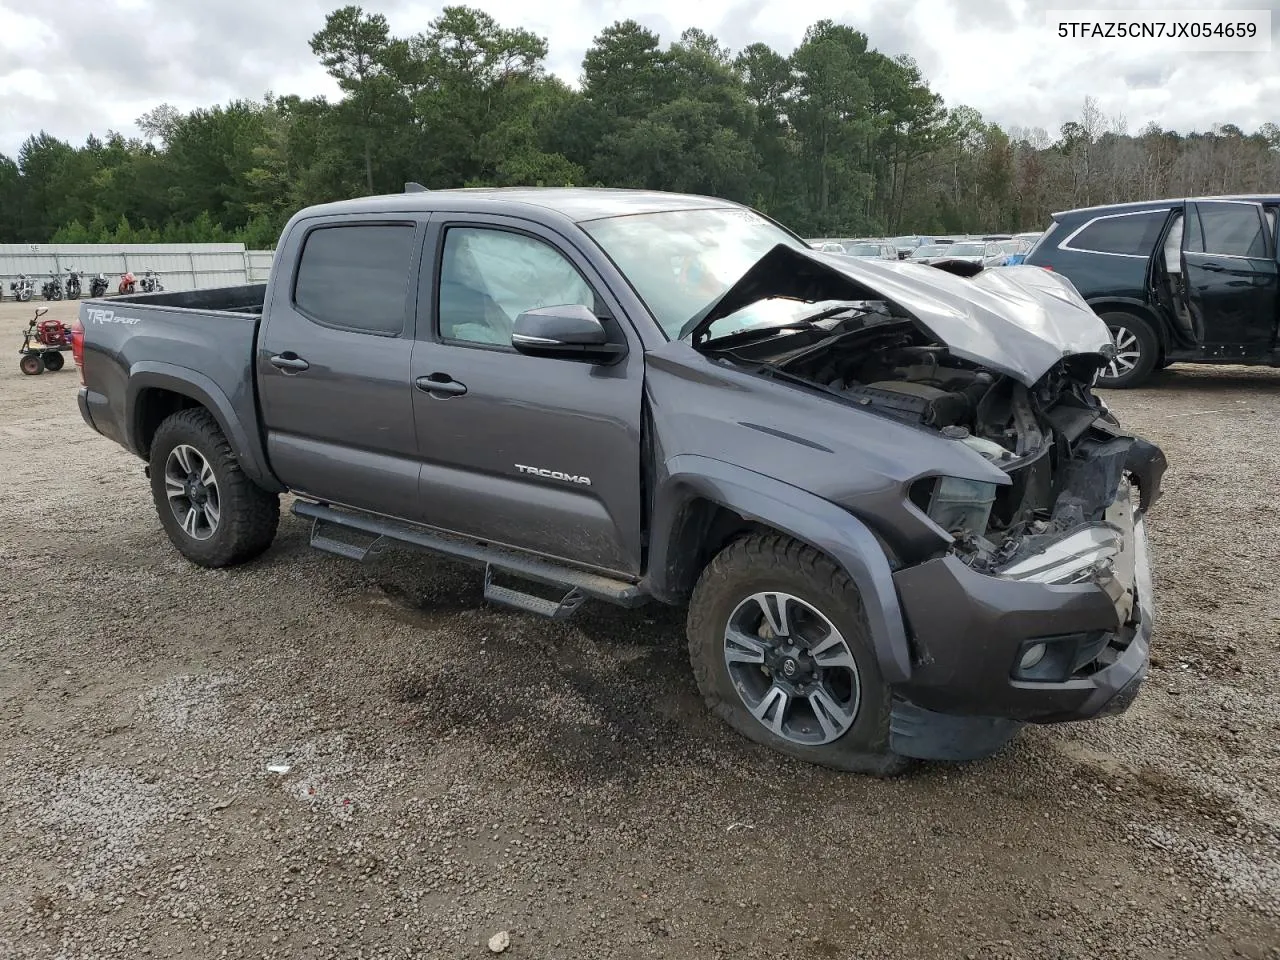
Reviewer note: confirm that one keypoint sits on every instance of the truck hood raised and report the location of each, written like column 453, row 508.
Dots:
column 1018, row 321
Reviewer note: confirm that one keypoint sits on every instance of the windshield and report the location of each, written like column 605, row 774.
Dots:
column 862, row 249
column 904, row 241
column 932, row 250
column 967, row 250
column 680, row 262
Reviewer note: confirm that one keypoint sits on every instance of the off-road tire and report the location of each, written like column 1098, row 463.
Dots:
column 249, row 515
column 53, row 360
column 1148, row 347
column 773, row 562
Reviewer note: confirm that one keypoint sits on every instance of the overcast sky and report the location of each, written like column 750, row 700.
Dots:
column 72, row 67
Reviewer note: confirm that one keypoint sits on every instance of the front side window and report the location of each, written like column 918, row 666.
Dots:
column 1132, row 234
column 356, row 276
column 681, row 261
column 489, row 277
column 1228, row 229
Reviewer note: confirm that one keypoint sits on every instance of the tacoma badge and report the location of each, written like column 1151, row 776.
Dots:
column 554, row 475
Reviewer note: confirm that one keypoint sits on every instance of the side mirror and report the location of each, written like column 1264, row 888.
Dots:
column 567, row 332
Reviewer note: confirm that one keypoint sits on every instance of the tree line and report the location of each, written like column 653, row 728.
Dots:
column 833, row 139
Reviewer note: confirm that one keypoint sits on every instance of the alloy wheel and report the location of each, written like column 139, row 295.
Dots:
column 1128, row 353
column 792, row 668
column 192, row 489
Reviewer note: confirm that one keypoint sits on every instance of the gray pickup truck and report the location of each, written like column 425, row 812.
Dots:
column 901, row 521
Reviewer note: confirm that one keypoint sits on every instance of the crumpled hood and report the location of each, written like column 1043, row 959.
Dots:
column 1018, row 320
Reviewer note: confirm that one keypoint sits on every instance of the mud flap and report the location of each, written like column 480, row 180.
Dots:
column 925, row 735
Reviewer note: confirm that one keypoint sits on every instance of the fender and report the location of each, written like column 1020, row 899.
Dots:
column 190, row 383
column 799, row 514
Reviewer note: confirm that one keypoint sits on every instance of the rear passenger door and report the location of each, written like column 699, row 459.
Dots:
column 531, row 452
column 1232, row 283
column 334, row 358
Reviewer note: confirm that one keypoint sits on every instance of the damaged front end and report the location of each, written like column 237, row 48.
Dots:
column 1035, row 604
column 1077, row 485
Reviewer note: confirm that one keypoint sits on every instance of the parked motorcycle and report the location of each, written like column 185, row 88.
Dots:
column 98, row 286
column 127, row 283
column 73, row 284
column 151, row 282
column 22, row 288
column 52, row 288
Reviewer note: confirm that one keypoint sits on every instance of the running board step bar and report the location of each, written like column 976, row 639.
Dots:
column 560, row 609
column 574, row 585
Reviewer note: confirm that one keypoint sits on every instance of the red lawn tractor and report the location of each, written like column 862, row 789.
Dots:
column 43, row 343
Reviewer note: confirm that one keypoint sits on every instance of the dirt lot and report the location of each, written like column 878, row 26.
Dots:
column 455, row 770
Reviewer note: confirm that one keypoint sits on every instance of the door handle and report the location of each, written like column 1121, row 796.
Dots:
column 289, row 361
column 440, row 383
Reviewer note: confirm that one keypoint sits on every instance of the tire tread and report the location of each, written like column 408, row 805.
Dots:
column 254, row 513
column 778, row 550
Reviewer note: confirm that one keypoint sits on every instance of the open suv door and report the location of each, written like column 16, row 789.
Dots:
column 1232, row 284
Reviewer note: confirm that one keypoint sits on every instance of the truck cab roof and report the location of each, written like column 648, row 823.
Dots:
column 578, row 204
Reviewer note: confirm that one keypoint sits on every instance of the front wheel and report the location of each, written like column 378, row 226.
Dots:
column 53, row 360
column 1137, row 351
column 25, row 295
column 781, row 651
column 214, row 514
column 32, row 364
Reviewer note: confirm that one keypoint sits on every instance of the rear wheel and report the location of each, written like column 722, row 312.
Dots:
column 214, row 514
column 53, row 360
column 1137, row 351
column 781, row 652
column 32, row 364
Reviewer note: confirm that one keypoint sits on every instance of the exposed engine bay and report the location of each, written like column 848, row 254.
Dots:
column 1065, row 455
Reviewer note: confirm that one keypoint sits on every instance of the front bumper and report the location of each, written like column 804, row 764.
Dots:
column 970, row 628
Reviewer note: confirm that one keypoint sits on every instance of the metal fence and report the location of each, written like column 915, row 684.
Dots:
column 180, row 266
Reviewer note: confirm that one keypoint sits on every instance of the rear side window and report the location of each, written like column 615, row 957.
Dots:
column 356, row 277
column 1228, row 229
column 1132, row 234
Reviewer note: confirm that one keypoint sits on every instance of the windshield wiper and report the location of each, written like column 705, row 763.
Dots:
column 806, row 322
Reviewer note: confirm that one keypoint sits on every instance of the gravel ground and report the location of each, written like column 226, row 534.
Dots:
column 455, row 771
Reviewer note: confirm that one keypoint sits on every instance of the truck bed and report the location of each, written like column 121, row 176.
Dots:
column 197, row 346
column 247, row 298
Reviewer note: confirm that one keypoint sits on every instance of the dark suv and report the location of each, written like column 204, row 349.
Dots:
column 1192, row 280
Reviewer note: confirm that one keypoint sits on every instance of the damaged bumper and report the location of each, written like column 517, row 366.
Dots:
column 1062, row 635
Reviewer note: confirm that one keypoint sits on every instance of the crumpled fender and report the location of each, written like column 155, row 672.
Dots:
column 799, row 514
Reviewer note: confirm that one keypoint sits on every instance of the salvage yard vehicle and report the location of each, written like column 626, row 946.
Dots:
column 902, row 523
column 874, row 249
column 1176, row 281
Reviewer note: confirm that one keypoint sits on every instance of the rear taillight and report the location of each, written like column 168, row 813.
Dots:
column 77, row 346
column 1043, row 267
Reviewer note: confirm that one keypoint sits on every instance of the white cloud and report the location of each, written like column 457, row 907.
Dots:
column 72, row 67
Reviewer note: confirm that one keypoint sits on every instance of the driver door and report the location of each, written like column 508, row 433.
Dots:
column 1232, row 283
column 530, row 452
